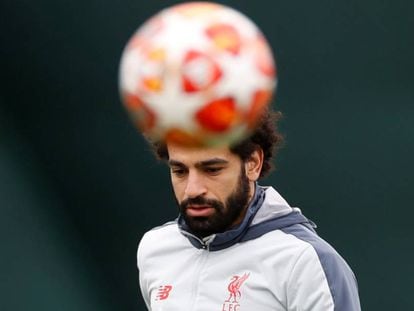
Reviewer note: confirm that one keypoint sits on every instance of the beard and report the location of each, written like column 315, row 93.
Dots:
column 224, row 215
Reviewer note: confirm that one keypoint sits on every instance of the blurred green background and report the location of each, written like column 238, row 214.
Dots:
column 79, row 187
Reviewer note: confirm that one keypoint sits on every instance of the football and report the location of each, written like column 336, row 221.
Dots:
column 198, row 74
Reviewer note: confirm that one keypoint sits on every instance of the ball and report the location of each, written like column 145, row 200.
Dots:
column 197, row 74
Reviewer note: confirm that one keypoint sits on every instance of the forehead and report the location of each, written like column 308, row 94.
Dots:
column 192, row 155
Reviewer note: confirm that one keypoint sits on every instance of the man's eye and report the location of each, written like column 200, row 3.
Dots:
column 178, row 172
column 213, row 170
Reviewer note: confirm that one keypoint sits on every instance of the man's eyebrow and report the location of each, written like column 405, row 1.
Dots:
column 175, row 163
column 214, row 161
column 209, row 162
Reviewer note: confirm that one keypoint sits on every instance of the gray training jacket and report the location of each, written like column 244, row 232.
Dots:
column 272, row 261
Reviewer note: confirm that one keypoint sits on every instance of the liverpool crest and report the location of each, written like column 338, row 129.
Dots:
column 234, row 288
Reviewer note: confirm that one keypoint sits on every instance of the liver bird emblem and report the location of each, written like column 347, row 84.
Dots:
column 234, row 287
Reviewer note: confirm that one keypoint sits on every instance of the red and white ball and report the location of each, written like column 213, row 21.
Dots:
column 197, row 73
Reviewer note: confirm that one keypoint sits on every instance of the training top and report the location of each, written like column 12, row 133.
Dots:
column 273, row 261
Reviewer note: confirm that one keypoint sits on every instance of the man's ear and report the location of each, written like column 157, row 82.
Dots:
column 254, row 165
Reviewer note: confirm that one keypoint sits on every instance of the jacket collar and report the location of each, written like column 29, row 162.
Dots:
column 266, row 212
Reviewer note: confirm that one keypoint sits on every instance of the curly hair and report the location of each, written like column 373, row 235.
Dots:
column 265, row 136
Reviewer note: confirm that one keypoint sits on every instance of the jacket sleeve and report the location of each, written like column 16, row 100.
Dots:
column 322, row 281
column 141, row 272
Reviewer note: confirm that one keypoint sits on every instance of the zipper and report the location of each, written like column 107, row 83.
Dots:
column 205, row 243
column 203, row 256
column 196, row 281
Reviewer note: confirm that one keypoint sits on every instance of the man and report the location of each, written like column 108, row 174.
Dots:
column 237, row 245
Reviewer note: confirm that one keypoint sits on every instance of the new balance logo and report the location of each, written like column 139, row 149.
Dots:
column 163, row 292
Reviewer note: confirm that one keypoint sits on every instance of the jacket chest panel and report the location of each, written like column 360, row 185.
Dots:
column 242, row 277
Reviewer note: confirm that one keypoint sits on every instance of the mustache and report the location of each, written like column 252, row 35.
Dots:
column 200, row 201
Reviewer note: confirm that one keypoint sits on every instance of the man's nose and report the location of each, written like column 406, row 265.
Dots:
column 195, row 185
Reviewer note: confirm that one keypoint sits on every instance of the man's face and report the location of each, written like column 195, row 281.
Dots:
column 210, row 186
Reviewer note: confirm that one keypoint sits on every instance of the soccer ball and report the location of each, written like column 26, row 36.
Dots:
column 198, row 74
